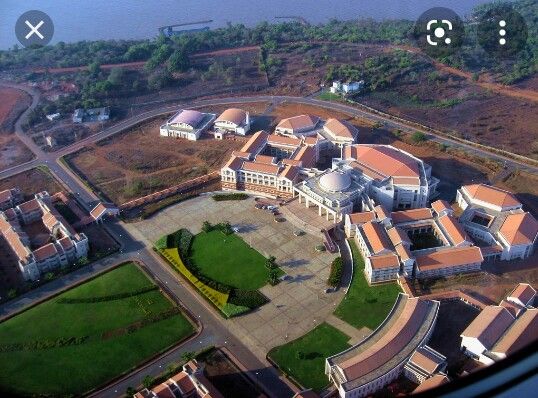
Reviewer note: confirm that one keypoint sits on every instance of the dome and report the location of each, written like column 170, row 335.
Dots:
column 335, row 181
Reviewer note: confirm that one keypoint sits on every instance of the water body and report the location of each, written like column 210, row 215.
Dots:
column 77, row 20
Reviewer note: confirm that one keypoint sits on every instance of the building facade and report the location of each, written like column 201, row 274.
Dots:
column 33, row 254
column 187, row 124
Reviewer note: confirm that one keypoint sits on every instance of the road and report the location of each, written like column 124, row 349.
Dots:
column 214, row 327
column 214, row 330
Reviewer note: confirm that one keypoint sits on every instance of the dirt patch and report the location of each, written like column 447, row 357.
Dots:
column 101, row 243
column 12, row 151
column 526, row 186
column 31, row 182
column 454, row 317
column 490, row 286
column 140, row 162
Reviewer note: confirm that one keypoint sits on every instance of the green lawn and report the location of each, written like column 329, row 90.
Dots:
column 304, row 358
column 228, row 259
column 74, row 369
column 328, row 96
column 365, row 305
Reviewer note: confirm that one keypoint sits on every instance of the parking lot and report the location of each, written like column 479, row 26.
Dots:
column 298, row 303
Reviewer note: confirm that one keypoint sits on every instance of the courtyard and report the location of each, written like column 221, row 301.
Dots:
column 298, row 304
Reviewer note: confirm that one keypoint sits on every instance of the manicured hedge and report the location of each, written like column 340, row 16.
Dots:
column 337, row 267
column 111, row 297
column 229, row 196
column 180, row 240
column 247, row 298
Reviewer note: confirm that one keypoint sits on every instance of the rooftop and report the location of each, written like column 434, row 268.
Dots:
column 449, row 257
column 492, row 195
column 489, row 325
column 393, row 342
column 187, row 116
column 233, row 115
column 523, row 292
column 519, row 229
column 341, row 129
column 521, row 333
column 403, row 216
column 298, row 122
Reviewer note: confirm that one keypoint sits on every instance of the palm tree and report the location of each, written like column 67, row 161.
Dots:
column 271, row 262
column 273, row 277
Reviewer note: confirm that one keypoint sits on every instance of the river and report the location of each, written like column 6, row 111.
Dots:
column 76, row 20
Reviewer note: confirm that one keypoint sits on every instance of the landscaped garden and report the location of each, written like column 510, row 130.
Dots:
column 87, row 335
column 365, row 305
column 304, row 359
column 223, row 268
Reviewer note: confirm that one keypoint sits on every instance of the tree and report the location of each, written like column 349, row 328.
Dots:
column 226, row 228
column 116, row 76
column 94, row 68
column 12, row 293
column 129, row 392
column 206, row 226
column 178, row 61
column 159, row 79
column 147, row 382
column 273, row 276
column 188, row 356
column 271, row 262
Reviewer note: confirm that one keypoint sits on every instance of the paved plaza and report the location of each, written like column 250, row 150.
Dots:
column 298, row 304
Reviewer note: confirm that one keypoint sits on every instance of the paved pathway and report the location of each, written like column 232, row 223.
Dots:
column 356, row 335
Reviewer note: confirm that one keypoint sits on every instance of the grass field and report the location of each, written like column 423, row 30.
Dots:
column 304, row 358
column 365, row 305
column 106, row 347
column 228, row 259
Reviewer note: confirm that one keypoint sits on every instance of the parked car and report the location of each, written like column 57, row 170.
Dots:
column 258, row 206
column 298, row 232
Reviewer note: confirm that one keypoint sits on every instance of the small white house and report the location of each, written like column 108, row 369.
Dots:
column 346, row 88
column 233, row 120
column 53, row 116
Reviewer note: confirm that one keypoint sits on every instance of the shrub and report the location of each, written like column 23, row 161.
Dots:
column 111, row 297
column 230, row 196
column 207, row 227
column 418, row 137
column 335, row 275
column 181, row 240
column 247, row 298
column 231, row 310
column 273, row 277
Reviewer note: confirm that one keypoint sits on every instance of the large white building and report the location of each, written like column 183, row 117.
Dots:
column 496, row 218
column 188, row 124
column 269, row 164
column 381, row 357
column 233, row 120
column 55, row 244
column 383, row 174
column 423, row 243
column 501, row 330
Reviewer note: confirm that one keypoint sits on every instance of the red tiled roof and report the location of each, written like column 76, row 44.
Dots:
column 440, row 205
column 233, row 115
column 30, row 206
column 519, row 229
column 384, row 159
column 256, row 142
column 376, row 236
column 184, row 382
column 307, row 155
column 491, row 195
column 261, row 167
column 489, row 325
column 523, row 292
column 450, row 257
column 426, row 360
column 391, row 342
column 432, row 382
column 290, row 172
column 453, row 228
column 275, row 140
column 520, row 334
column 512, row 308
column 361, row 218
column 411, row 215
column 341, row 129
column 45, row 252
column 384, row 261
column 298, row 122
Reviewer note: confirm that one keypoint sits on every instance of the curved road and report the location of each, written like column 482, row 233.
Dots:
column 214, row 330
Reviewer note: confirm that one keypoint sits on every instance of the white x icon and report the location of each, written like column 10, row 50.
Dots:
column 34, row 29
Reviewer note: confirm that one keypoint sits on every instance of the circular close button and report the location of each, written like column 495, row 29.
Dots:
column 439, row 32
column 502, row 32
column 34, row 28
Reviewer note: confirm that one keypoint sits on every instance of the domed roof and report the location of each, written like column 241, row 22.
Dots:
column 335, row 181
